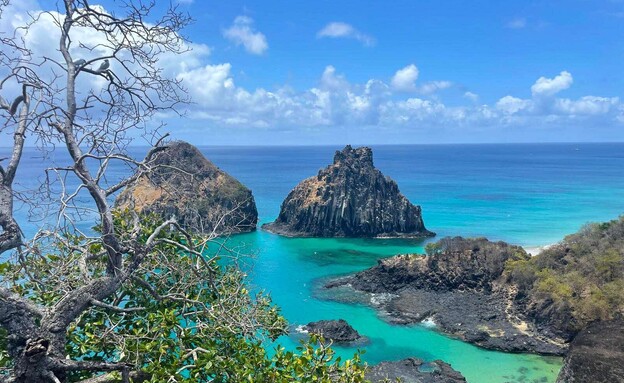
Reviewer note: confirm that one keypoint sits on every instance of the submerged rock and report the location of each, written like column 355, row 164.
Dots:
column 336, row 330
column 412, row 370
column 188, row 186
column 596, row 355
column 349, row 198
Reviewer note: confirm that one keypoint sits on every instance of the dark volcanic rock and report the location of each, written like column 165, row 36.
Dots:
column 459, row 286
column 414, row 370
column 349, row 198
column 464, row 264
column 200, row 195
column 596, row 355
column 336, row 330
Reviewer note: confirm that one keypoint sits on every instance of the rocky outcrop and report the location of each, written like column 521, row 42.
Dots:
column 188, row 186
column 453, row 264
column 460, row 287
column 596, row 355
column 349, row 198
column 336, row 330
column 414, row 370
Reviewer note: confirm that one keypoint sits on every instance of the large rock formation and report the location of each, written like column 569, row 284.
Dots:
column 460, row 287
column 596, row 355
column 414, row 370
column 186, row 185
column 336, row 330
column 349, row 198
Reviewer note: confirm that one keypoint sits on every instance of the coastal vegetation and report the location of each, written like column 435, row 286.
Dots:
column 577, row 281
column 186, row 316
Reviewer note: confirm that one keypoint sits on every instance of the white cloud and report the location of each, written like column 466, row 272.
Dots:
column 344, row 30
column 242, row 33
column 434, row 86
column 512, row 105
column 550, row 86
column 588, row 105
column 471, row 96
column 335, row 103
column 517, row 23
column 404, row 79
column 331, row 80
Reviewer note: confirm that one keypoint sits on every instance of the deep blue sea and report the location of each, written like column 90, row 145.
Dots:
column 527, row 194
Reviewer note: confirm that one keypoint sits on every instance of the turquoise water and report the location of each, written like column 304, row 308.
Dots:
column 524, row 194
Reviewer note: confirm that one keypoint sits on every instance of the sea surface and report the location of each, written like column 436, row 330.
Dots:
column 526, row 194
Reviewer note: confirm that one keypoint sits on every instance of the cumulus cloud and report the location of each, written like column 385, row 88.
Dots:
column 343, row 30
column 404, row 79
column 434, row 86
column 512, row 105
column 471, row 96
column 335, row 102
column 550, row 86
column 588, row 105
column 242, row 32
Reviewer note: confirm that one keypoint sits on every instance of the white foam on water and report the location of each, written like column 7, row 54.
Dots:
column 301, row 329
column 428, row 322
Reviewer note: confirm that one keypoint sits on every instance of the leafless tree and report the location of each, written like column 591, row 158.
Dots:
column 92, row 106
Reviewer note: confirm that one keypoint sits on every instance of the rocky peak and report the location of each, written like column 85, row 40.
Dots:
column 354, row 158
column 349, row 198
column 185, row 184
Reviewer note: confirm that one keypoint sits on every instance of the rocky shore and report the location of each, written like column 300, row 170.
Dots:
column 414, row 370
column 596, row 355
column 459, row 286
column 349, row 198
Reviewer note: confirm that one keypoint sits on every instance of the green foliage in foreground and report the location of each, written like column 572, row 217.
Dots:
column 581, row 278
column 209, row 329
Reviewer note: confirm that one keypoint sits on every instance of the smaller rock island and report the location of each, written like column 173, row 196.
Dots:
column 349, row 198
column 188, row 186
column 335, row 330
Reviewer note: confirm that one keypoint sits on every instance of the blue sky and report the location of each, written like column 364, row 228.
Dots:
column 366, row 72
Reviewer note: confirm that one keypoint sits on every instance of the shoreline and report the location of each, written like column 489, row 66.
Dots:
column 535, row 250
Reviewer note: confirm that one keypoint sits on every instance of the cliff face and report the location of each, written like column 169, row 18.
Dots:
column 596, row 355
column 201, row 196
column 349, row 198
